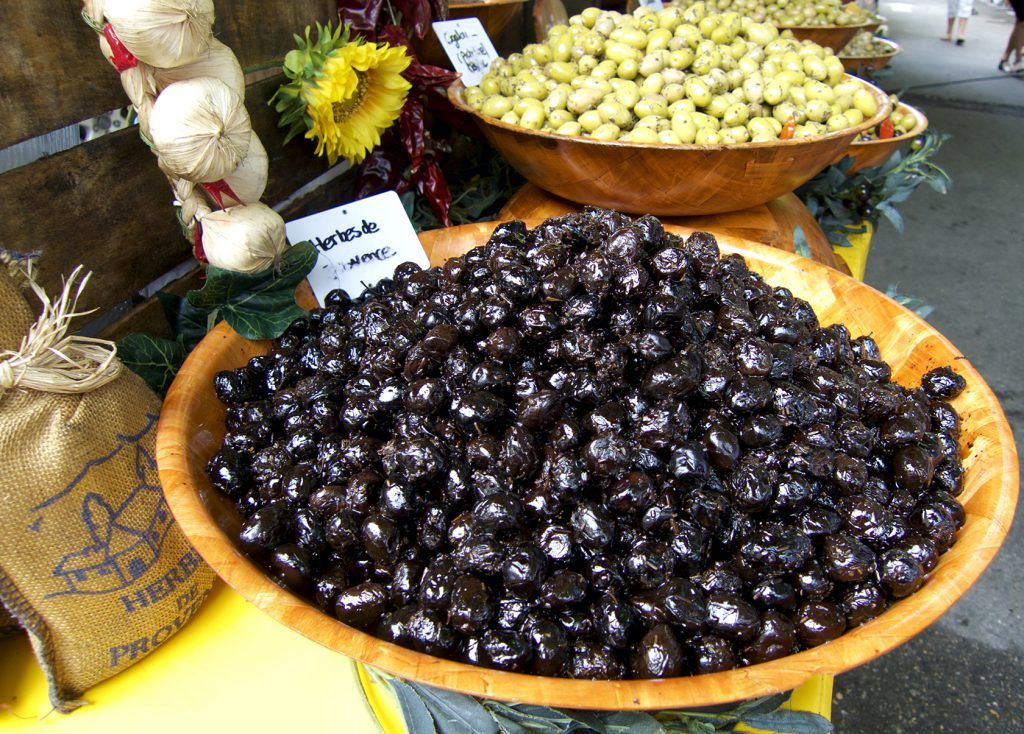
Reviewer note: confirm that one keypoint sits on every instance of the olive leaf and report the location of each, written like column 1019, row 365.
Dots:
column 790, row 722
column 842, row 203
column 153, row 359
column 455, row 713
column 913, row 303
column 259, row 305
column 800, row 244
column 631, row 722
column 417, row 718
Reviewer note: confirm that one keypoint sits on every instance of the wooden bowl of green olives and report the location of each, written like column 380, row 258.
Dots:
column 874, row 55
column 829, row 36
column 670, row 179
column 673, row 112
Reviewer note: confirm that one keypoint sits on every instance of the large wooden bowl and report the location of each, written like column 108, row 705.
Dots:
column 192, row 426
column 832, row 36
column 666, row 180
column 870, row 153
column 859, row 64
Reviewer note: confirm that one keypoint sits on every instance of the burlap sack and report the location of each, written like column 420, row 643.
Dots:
column 91, row 562
column 15, row 318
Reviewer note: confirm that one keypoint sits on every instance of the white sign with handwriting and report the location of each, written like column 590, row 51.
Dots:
column 359, row 243
column 468, row 47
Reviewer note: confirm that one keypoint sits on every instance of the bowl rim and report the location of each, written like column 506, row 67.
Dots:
column 456, row 97
column 895, row 50
column 854, row 648
column 920, row 126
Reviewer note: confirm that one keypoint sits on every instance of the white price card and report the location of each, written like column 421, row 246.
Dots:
column 651, row 4
column 468, row 47
column 358, row 243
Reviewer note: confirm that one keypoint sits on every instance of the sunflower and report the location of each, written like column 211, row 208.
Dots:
column 342, row 94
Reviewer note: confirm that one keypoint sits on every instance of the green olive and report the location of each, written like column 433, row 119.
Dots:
column 614, row 112
column 817, row 110
column 557, row 118
column 652, row 84
column 510, row 118
column 570, row 128
column 644, row 135
column 607, row 131
column 581, row 100
column 496, row 106
column 684, row 127
column 590, row 120
column 707, row 136
column 865, row 101
column 668, row 137
column 736, row 115
column 562, row 71
column 673, row 92
column 653, row 105
column 629, row 69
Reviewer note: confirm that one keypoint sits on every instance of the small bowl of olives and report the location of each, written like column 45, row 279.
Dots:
column 675, row 112
column 867, row 52
column 581, row 454
column 874, row 146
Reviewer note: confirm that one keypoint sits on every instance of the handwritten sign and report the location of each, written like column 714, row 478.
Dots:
column 359, row 243
column 468, row 47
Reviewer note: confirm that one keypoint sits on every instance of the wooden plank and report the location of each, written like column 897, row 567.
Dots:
column 261, row 32
column 148, row 316
column 106, row 205
column 51, row 71
column 69, row 79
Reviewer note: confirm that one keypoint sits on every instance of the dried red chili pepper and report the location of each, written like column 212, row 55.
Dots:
column 886, row 129
column 362, row 14
column 430, row 183
column 382, row 170
column 416, row 14
column 412, row 130
column 788, row 129
column 121, row 57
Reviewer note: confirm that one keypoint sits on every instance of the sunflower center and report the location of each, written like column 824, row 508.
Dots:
column 343, row 110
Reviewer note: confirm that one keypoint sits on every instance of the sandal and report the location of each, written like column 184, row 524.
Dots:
column 1004, row 66
column 959, row 42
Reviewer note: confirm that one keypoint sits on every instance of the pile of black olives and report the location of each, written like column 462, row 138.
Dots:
column 590, row 450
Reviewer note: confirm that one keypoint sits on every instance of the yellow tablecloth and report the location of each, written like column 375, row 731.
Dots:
column 232, row 668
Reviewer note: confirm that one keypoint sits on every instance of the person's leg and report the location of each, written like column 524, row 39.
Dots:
column 1017, row 39
column 961, row 29
column 949, row 29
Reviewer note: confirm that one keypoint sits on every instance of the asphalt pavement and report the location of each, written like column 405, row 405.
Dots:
column 963, row 254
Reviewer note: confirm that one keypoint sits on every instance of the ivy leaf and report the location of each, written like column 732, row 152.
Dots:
column 187, row 322
column 790, row 722
column 455, row 713
column 260, row 305
column 153, row 359
column 414, row 711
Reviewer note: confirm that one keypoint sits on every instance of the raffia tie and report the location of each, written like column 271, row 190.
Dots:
column 51, row 360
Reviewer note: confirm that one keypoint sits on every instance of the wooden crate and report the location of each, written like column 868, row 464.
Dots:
column 104, row 203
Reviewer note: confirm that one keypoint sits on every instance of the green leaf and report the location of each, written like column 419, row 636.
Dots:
column 507, row 726
column 455, row 713
column 414, row 711
column 790, row 722
column 153, row 359
column 803, row 249
column 631, row 722
column 187, row 322
column 259, row 305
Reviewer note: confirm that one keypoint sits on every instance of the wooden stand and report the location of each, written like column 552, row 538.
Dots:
column 770, row 224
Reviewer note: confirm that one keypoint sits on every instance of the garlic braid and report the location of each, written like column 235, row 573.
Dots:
column 139, row 82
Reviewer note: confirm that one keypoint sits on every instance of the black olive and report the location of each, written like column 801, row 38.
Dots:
column 818, row 622
column 361, row 605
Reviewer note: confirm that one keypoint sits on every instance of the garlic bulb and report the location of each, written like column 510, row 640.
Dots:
column 218, row 62
column 162, row 33
column 200, row 129
column 250, row 178
column 246, row 238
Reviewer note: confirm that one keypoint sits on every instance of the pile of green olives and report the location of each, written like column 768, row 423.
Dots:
column 899, row 123
column 868, row 45
column 673, row 76
column 789, row 13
